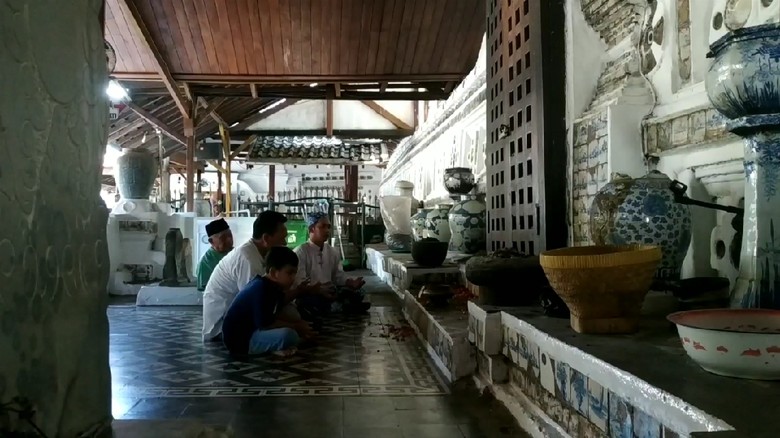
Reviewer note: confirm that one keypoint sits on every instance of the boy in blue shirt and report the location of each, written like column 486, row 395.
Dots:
column 252, row 324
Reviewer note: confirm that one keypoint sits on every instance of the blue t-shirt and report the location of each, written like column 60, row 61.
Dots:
column 254, row 308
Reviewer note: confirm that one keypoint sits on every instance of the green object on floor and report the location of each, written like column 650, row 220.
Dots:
column 297, row 233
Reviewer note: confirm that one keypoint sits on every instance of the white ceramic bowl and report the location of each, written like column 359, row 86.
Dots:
column 743, row 343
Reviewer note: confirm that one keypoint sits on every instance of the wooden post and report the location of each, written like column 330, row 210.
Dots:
column 189, row 134
column 223, row 132
column 271, row 182
column 351, row 183
column 329, row 118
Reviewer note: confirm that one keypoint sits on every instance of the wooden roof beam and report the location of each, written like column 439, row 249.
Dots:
column 210, row 109
column 135, row 21
column 149, row 117
column 387, row 115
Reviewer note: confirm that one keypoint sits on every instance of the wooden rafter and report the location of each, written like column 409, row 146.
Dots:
column 387, row 115
column 149, row 117
column 196, row 78
column 135, row 20
column 210, row 110
column 262, row 115
column 244, row 146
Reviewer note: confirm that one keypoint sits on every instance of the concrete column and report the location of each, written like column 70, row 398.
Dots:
column 53, row 253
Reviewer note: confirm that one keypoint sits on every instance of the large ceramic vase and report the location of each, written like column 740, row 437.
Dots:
column 437, row 224
column 398, row 227
column 459, row 180
column 643, row 211
column 135, row 174
column 468, row 225
column 743, row 83
column 418, row 222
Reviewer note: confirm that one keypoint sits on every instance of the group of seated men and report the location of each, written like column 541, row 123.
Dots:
column 263, row 297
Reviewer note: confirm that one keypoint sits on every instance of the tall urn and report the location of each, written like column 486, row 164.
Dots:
column 135, row 173
column 468, row 226
column 743, row 83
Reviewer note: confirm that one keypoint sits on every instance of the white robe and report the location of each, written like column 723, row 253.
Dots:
column 232, row 273
column 319, row 265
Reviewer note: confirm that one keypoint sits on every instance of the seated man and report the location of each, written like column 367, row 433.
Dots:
column 320, row 264
column 221, row 240
column 238, row 268
column 254, row 323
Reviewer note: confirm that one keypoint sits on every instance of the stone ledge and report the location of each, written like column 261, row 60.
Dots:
column 400, row 272
column 445, row 335
column 156, row 295
column 621, row 382
column 178, row 428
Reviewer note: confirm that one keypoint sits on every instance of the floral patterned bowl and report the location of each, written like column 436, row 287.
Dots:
column 743, row 343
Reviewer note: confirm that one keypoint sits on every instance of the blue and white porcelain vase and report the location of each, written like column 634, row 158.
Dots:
column 643, row 211
column 459, row 180
column 418, row 222
column 135, row 173
column 468, row 225
column 743, row 83
column 437, row 223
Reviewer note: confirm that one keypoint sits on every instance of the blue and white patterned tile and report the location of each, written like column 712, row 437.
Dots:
column 562, row 380
column 533, row 358
column 578, row 392
column 547, row 373
column 598, row 409
column 620, row 417
column 646, row 426
column 523, row 352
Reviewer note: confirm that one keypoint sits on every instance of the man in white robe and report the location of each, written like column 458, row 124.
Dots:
column 238, row 268
column 320, row 263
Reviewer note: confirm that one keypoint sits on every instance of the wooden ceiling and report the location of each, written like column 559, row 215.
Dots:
column 278, row 48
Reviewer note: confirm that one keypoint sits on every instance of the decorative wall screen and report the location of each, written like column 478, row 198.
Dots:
column 526, row 138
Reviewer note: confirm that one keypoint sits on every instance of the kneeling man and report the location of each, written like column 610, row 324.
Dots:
column 254, row 323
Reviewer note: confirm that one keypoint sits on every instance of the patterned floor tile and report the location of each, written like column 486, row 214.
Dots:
column 159, row 353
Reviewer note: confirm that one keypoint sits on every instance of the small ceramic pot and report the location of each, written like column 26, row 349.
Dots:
column 406, row 188
column 418, row 222
column 397, row 242
column 459, row 180
column 429, row 252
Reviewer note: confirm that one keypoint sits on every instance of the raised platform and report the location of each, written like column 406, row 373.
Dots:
column 156, row 295
column 444, row 332
column 641, row 385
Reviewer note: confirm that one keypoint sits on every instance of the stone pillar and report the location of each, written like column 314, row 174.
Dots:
column 53, row 253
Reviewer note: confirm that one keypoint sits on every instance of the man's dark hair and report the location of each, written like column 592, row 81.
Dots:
column 279, row 257
column 267, row 222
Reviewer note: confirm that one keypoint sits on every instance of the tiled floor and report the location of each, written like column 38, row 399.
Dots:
column 358, row 381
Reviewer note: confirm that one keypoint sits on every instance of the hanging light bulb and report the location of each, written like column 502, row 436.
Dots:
column 143, row 139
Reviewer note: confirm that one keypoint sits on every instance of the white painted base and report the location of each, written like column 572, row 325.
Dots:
column 156, row 295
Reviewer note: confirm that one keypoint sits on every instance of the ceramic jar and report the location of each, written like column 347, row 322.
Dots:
column 744, row 77
column 437, row 224
column 743, row 83
column 468, row 225
column 406, row 188
column 643, row 211
column 418, row 221
column 459, row 180
column 398, row 228
column 136, row 170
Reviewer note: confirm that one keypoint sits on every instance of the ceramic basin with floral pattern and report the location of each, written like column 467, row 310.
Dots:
column 742, row 343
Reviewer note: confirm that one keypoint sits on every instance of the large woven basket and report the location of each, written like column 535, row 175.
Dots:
column 604, row 286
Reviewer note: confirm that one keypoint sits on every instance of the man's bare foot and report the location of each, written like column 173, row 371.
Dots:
column 285, row 353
